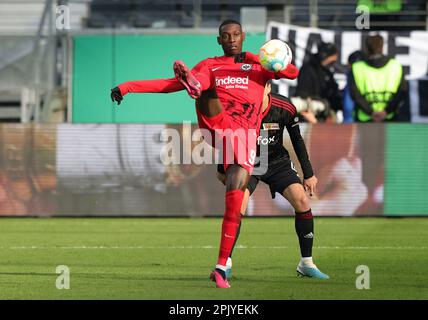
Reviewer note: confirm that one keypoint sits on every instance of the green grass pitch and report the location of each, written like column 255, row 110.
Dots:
column 149, row 258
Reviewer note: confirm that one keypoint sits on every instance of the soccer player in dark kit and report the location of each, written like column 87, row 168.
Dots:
column 229, row 92
column 279, row 114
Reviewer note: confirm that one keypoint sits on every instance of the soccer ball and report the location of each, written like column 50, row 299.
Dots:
column 275, row 55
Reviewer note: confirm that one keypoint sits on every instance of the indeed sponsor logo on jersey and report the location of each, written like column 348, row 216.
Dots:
column 232, row 82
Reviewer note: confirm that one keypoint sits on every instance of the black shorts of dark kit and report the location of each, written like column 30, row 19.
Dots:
column 278, row 177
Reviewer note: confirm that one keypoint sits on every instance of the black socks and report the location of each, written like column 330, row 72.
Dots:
column 304, row 224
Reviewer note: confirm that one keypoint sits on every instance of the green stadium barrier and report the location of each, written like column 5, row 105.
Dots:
column 406, row 171
column 101, row 62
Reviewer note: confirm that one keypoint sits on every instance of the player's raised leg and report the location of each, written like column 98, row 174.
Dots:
column 304, row 225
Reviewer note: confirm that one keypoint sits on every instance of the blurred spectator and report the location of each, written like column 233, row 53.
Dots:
column 377, row 84
column 348, row 103
column 317, row 92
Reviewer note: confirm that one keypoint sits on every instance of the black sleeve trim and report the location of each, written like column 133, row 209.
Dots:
column 300, row 149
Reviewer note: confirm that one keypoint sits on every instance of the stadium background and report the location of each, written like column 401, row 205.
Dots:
column 75, row 153
column 67, row 150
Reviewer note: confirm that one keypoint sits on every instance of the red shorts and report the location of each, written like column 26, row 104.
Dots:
column 238, row 145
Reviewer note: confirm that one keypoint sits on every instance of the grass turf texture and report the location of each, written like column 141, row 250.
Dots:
column 166, row 258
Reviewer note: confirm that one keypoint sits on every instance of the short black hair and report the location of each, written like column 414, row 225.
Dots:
column 226, row 22
column 374, row 44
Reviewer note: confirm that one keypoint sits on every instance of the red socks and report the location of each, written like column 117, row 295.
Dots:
column 231, row 220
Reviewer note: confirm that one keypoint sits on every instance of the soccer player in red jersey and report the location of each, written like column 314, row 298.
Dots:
column 229, row 93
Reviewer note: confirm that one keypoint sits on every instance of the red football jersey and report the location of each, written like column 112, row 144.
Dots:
column 239, row 87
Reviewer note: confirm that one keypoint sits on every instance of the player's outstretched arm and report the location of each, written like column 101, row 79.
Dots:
column 145, row 86
column 151, row 86
column 290, row 72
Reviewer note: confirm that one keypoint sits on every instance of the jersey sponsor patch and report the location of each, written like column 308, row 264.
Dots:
column 271, row 126
column 265, row 141
column 231, row 82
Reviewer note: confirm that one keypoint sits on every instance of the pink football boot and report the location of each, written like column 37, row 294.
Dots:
column 216, row 277
column 185, row 77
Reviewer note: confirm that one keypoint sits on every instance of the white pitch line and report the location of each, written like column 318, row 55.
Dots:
column 204, row 247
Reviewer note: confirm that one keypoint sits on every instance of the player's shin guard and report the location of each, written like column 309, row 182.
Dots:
column 231, row 221
column 304, row 224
